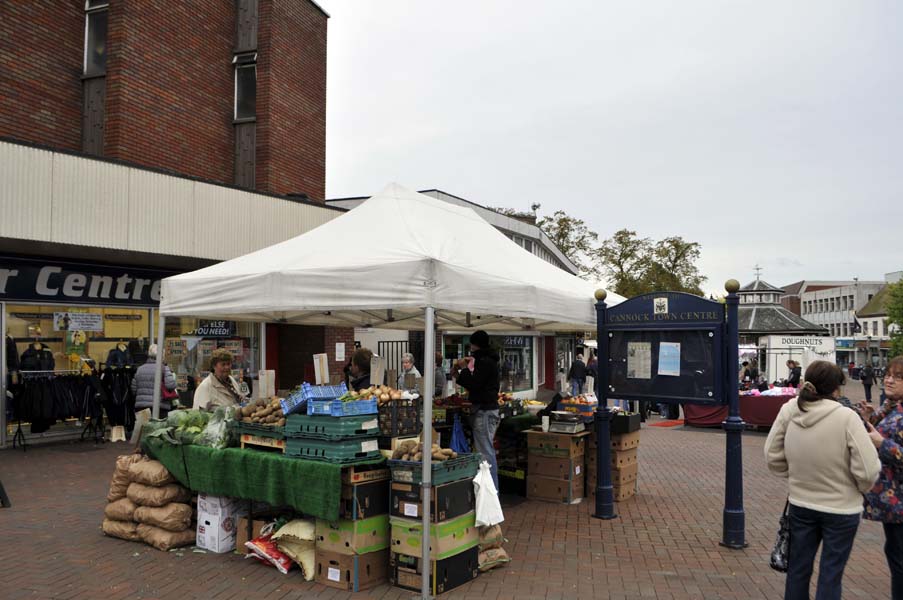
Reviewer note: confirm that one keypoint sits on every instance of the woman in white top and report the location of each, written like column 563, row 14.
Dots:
column 219, row 388
column 825, row 451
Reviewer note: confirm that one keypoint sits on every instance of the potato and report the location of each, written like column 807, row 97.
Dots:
column 405, row 457
column 280, row 422
column 418, row 457
column 246, row 420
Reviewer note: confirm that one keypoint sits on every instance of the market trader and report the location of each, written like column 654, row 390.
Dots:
column 360, row 369
column 219, row 388
column 479, row 375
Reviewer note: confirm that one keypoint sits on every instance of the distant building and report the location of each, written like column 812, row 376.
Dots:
column 872, row 342
column 761, row 314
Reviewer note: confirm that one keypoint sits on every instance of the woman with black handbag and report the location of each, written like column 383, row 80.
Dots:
column 824, row 450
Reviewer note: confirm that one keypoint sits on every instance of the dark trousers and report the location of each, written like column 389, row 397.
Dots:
column 808, row 529
column 893, row 550
column 868, row 391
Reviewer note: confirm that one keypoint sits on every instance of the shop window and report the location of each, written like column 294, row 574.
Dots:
column 95, row 60
column 245, row 86
column 515, row 358
column 190, row 343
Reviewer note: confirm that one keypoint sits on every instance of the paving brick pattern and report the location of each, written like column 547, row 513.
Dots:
column 664, row 545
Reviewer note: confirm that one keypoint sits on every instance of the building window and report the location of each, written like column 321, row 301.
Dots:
column 96, row 14
column 245, row 86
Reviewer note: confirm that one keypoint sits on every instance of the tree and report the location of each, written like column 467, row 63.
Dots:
column 635, row 265
column 623, row 260
column 573, row 238
column 894, row 306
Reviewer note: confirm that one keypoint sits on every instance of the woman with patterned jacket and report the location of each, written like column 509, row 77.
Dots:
column 884, row 502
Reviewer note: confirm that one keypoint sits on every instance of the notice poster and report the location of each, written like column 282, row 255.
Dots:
column 234, row 347
column 77, row 321
column 76, row 343
column 639, row 360
column 340, row 352
column 669, row 359
column 174, row 348
column 321, row 369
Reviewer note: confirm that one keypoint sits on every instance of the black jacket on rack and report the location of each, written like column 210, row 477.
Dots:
column 12, row 355
column 119, row 358
column 37, row 360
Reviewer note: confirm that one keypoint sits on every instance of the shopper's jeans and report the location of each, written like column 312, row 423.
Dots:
column 484, row 423
column 576, row 387
column 808, row 529
column 868, row 392
column 893, row 549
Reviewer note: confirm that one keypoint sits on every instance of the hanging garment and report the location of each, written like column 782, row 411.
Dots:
column 12, row 355
column 119, row 358
column 37, row 359
column 120, row 403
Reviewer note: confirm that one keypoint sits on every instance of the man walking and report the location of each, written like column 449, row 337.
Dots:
column 577, row 376
column 867, row 377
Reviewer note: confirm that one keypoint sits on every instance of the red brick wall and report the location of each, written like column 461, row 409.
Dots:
column 170, row 86
column 41, row 53
column 291, row 98
column 332, row 336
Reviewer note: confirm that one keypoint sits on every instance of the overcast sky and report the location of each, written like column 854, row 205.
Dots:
column 769, row 132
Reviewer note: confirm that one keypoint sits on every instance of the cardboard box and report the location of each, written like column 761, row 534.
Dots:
column 549, row 489
column 365, row 500
column 556, row 445
column 216, row 533
column 625, row 441
column 446, row 574
column 353, row 537
column 363, row 474
column 449, row 500
column 446, row 539
column 556, row 468
column 220, row 505
column 625, row 423
column 621, row 476
column 351, row 572
column 623, row 458
column 241, row 533
column 619, row 493
column 391, row 443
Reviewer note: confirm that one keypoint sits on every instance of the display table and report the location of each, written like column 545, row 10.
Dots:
column 759, row 411
column 309, row 486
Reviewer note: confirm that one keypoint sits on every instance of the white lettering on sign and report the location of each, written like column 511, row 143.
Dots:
column 5, row 275
column 122, row 287
column 42, row 285
column 74, row 285
column 100, row 287
column 155, row 291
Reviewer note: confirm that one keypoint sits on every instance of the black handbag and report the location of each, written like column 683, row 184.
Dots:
column 780, row 554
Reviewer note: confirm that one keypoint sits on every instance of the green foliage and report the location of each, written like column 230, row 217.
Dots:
column 573, row 238
column 637, row 265
column 894, row 305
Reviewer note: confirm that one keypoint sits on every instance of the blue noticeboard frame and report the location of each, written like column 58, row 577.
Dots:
column 672, row 347
column 650, row 321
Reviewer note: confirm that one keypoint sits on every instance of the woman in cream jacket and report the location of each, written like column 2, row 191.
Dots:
column 825, row 451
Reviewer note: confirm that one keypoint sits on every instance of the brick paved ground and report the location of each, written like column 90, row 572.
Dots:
column 664, row 545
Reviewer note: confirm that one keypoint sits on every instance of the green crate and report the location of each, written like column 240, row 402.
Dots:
column 332, row 428
column 453, row 469
column 267, row 431
column 347, row 451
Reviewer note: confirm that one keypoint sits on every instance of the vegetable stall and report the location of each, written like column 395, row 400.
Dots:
column 410, row 275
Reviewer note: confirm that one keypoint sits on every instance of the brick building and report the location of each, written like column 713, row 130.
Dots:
column 142, row 139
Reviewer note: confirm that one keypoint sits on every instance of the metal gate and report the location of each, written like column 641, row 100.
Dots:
column 392, row 352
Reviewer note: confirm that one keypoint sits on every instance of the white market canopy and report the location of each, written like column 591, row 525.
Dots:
column 380, row 265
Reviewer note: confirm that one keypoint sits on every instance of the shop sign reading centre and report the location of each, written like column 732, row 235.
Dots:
column 78, row 283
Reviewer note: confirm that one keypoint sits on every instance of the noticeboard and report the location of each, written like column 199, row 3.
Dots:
column 667, row 348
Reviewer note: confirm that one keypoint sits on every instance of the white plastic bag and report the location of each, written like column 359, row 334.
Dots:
column 489, row 509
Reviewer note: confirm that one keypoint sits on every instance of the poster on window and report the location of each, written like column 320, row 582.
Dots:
column 76, row 343
column 639, row 360
column 669, row 359
column 77, row 321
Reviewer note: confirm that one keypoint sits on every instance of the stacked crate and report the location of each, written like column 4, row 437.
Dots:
column 454, row 536
column 625, row 440
column 555, row 466
column 343, row 440
column 353, row 552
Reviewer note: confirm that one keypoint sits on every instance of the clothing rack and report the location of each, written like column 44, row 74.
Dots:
column 19, row 436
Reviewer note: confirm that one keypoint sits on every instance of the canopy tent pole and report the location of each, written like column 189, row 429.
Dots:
column 429, row 374
column 158, row 369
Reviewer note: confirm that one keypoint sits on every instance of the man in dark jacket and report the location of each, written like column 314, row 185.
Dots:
column 479, row 375
column 867, row 377
column 360, row 369
column 577, row 376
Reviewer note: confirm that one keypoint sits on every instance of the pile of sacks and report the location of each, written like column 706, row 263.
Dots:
column 492, row 554
column 282, row 546
column 147, row 505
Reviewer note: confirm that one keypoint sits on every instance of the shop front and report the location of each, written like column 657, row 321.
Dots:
column 74, row 334
column 520, row 371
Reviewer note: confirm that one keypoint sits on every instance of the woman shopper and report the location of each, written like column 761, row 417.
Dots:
column 219, row 388
column 824, row 450
column 407, row 368
column 143, row 384
column 882, row 503
column 479, row 375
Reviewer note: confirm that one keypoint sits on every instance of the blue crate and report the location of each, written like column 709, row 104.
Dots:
column 295, row 403
column 323, row 392
column 337, row 408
